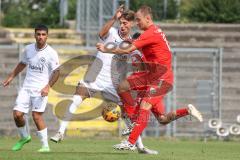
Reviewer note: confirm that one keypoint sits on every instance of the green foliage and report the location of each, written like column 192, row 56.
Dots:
column 218, row 11
column 72, row 9
column 28, row 13
column 157, row 8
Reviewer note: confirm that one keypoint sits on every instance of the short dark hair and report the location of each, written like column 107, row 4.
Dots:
column 136, row 35
column 128, row 15
column 41, row 27
column 145, row 10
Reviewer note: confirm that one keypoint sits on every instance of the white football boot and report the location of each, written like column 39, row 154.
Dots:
column 194, row 112
column 145, row 150
column 125, row 145
column 58, row 137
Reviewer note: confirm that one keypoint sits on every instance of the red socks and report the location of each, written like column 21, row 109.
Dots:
column 127, row 98
column 141, row 124
column 182, row 112
column 131, row 111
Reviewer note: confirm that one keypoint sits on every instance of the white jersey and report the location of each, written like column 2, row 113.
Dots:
column 40, row 65
column 114, row 64
column 108, row 70
column 113, row 37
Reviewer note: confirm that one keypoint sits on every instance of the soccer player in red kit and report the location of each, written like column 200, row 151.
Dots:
column 154, row 83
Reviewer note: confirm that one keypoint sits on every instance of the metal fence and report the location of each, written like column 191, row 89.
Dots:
column 93, row 14
column 197, row 80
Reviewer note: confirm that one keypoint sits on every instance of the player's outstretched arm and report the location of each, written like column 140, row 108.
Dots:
column 53, row 79
column 104, row 31
column 103, row 48
column 14, row 73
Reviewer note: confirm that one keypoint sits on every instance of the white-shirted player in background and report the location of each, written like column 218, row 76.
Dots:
column 42, row 65
column 105, row 72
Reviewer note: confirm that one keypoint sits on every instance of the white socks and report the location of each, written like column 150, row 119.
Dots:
column 43, row 137
column 23, row 132
column 139, row 143
column 77, row 100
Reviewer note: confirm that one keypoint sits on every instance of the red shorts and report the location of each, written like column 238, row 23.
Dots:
column 151, row 88
column 158, row 109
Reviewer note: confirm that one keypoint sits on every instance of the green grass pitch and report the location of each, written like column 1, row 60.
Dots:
column 95, row 148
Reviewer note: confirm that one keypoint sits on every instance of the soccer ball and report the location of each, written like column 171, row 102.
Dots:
column 111, row 112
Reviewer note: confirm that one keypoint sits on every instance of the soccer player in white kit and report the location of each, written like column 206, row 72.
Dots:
column 103, row 74
column 42, row 65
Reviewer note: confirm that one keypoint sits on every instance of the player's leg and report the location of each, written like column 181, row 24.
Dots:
column 21, row 107
column 80, row 94
column 163, row 118
column 42, row 131
column 125, row 94
column 141, row 123
column 38, row 107
column 157, row 94
column 137, row 81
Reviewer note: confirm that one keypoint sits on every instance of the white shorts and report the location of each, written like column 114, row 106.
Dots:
column 29, row 99
column 99, row 78
column 105, row 86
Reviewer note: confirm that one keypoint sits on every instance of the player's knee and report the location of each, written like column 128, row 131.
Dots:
column 163, row 120
column 17, row 115
column 145, row 105
column 82, row 91
column 123, row 86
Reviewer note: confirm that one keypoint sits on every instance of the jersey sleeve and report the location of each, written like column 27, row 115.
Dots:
column 111, row 31
column 136, row 57
column 142, row 41
column 54, row 62
column 24, row 57
column 136, row 52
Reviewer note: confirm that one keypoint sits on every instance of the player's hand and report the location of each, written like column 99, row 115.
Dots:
column 7, row 82
column 119, row 12
column 45, row 90
column 101, row 47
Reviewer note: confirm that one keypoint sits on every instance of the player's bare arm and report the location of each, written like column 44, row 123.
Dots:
column 19, row 68
column 104, row 31
column 101, row 47
column 52, row 81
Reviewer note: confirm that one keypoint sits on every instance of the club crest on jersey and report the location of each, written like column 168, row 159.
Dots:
column 42, row 60
column 158, row 31
column 153, row 90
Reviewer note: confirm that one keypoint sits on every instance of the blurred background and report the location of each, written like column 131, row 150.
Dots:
column 204, row 36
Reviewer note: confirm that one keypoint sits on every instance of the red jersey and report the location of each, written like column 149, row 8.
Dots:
column 154, row 46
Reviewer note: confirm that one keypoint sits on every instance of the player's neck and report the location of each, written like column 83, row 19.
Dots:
column 149, row 25
column 40, row 46
column 124, row 36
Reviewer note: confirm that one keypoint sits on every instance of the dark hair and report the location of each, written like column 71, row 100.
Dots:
column 128, row 15
column 41, row 27
column 136, row 35
column 145, row 10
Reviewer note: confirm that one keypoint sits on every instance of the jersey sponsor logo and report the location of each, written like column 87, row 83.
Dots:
column 36, row 68
column 120, row 57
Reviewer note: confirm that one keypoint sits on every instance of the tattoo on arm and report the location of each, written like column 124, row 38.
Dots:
column 54, row 77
